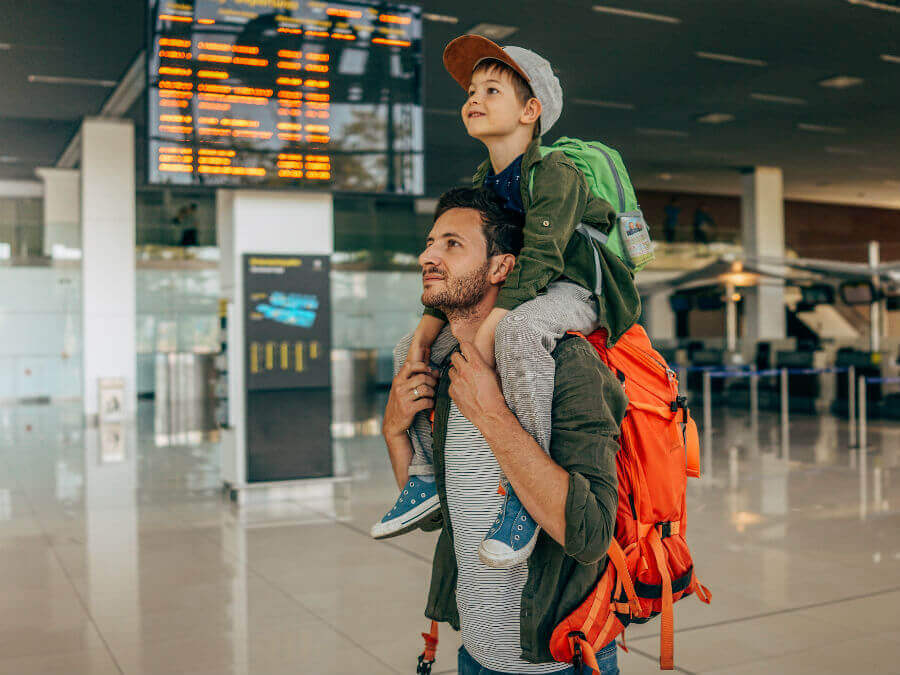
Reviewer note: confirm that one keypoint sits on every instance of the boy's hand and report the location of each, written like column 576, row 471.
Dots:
column 418, row 353
column 484, row 338
column 484, row 344
column 425, row 335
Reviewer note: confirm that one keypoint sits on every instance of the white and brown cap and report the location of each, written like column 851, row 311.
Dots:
column 463, row 55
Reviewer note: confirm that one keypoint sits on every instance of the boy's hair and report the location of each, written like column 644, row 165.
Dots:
column 502, row 228
column 521, row 88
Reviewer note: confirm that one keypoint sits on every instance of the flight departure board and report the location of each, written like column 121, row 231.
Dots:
column 286, row 93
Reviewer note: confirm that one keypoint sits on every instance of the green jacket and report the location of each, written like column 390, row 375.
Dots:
column 588, row 407
column 559, row 201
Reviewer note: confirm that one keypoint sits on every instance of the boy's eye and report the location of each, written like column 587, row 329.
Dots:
column 492, row 90
column 452, row 242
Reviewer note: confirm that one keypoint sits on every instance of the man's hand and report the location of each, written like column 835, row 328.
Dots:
column 412, row 390
column 475, row 387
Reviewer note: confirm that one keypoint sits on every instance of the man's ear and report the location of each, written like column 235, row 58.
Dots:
column 531, row 113
column 501, row 266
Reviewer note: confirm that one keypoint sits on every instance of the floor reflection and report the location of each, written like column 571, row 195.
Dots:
column 120, row 554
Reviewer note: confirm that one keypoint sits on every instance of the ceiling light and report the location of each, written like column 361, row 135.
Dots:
column 662, row 132
column 890, row 58
column 5, row 46
column 50, row 79
column 636, row 15
column 834, row 150
column 728, row 58
column 715, row 118
column 603, row 104
column 8, row 159
column 820, row 128
column 841, row 82
column 493, row 31
column 665, row 176
column 440, row 18
column 773, row 98
column 876, row 5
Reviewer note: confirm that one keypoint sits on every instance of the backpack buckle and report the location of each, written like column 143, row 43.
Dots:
column 679, row 402
column 577, row 656
column 424, row 666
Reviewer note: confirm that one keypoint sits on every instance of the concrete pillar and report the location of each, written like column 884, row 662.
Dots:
column 762, row 224
column 108, row 258
column 660, row 318
column 62, row 211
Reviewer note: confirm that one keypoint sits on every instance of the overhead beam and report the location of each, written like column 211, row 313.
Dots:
column 129, row 89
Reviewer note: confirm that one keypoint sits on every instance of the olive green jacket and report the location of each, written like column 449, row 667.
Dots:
column 588, row 407
column 557, row 203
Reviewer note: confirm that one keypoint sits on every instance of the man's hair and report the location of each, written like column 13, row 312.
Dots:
column 520, row 86
column 502, row 228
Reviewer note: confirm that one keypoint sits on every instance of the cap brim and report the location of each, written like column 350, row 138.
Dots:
column 464, row 53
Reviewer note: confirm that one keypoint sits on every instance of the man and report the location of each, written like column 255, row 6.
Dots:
column 506, row 616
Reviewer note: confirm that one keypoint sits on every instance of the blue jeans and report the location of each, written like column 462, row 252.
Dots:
column 606, row 659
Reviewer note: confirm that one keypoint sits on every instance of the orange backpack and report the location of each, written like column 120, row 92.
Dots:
column 649, row 565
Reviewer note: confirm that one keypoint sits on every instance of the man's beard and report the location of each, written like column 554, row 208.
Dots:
column 460, row 294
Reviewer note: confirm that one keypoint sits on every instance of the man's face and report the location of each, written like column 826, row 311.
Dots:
column 455, row 264
column 491, row 108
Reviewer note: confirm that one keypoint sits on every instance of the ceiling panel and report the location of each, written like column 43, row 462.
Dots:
column 648, row 64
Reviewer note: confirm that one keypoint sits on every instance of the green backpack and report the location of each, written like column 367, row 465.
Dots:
column 607, row 179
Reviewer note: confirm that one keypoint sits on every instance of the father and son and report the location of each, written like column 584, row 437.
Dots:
column 501, row 425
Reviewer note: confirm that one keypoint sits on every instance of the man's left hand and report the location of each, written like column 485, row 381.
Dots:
column 475, row 387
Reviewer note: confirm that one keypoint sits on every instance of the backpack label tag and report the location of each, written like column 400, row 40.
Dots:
column 635, row 235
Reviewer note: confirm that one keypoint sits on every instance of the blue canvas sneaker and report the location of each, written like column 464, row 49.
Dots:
column 417, row 502
column 512, row 537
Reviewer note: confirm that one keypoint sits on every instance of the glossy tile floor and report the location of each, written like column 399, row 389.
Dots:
column 118, row 554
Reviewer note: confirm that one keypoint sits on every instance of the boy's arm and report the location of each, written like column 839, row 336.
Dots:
column 559, row 198
column 426, row 333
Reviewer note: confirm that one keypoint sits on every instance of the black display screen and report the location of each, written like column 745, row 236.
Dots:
column 286, row 93
column 287, row 321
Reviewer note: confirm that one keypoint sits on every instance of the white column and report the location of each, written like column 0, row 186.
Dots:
column 256, row 221
column 108, row 258
column 762, row 223
column 659, row 316
column 62, row 210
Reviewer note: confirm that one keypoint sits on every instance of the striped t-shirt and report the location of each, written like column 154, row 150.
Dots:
column 489, row 600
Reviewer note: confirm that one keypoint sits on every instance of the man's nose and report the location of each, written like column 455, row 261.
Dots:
column 429, row 258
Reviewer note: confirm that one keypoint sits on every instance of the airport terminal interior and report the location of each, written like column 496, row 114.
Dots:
column 210, row 221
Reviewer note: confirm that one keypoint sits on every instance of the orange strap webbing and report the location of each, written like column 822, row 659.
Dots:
column 667, row 637
column 617, row 555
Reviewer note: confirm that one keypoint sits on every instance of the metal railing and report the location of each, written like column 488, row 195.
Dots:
column 783, row 374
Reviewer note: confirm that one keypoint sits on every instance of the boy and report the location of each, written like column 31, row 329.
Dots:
column 513, row 97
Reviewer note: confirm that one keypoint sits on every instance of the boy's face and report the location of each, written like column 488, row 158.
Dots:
column 492, row 109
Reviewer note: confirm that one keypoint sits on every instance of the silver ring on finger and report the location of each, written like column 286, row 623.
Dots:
column 415, row 393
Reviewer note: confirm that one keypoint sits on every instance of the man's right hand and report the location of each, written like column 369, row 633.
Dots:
column 412, row 390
